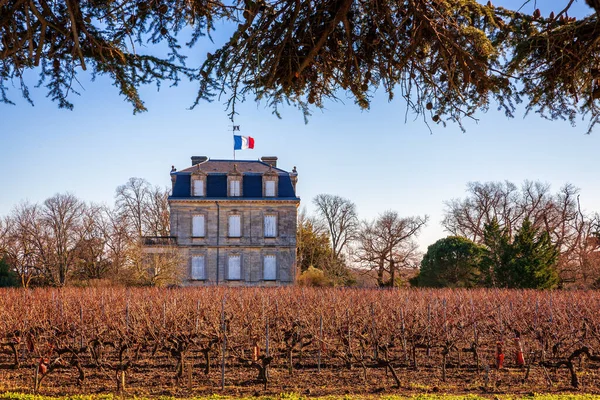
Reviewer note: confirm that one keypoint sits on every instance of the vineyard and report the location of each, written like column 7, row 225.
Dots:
column 317, row 342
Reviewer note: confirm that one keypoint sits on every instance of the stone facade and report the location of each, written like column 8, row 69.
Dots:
column 212, row 252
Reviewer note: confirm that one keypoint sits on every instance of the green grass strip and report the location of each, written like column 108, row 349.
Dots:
column 294, row 396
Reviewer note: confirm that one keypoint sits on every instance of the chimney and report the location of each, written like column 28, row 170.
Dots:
column 198, row 160
column 271, row 160
column 294, row 178
column 173, row 177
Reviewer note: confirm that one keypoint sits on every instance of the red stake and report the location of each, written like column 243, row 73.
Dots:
column 499, row 354
column 519, row 359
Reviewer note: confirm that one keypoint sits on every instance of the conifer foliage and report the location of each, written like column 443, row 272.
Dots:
column 527, row 262
column 534, row 259
column 447, row 59
column 450, row 262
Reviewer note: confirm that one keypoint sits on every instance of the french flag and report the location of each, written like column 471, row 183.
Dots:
column 243, row 142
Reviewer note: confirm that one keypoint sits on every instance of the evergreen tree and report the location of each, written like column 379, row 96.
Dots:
column 534, row 259
column 450, row 262
column 7, row 277
column 496, row 258
column 528, row 261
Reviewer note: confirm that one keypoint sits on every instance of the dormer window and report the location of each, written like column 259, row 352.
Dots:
column 234, row 188
column 198, row 186
column 269, row 188
column 270, row 180
column 234, row 182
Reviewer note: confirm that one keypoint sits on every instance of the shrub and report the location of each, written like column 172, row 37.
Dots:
column 313, row 277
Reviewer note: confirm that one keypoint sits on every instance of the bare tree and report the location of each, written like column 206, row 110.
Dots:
column 4, row 229
column 484, row 202
column 91, row 253
column 510, row 206
column 26, row 242
column 159, row 268
column 339, row 215
column 62, row 215
column 131, row 201
column 156, row 212
column 114, row 228
column 579, row 261
column 387, row 244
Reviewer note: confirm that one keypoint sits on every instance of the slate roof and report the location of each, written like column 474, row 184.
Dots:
column 216, row 180
column 225, row 166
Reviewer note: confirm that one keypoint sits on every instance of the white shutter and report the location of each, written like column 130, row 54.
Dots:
column 270, row 226
column 234, row 270
column 198, row 187
column 234, row 226
column 234, row 188
column 270, row 268
column 198, row 226
column 269, row 188
column 198, row 271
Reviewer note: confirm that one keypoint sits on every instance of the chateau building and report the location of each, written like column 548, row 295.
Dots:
column 233, row 222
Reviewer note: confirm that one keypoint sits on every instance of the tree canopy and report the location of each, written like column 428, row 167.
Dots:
column 491, row 213
column 313, row 244
column 387, row 244
column 450, row 262
column 447, row 59
column 533, row 263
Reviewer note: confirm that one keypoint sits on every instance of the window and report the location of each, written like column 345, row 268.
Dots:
column 198, row 226
column 269, row 188
column 270, row 268
column 234, row 188
column 270, row 226
column 198, row 187
column 198, row 271
column 234, row 226
column 234, row 268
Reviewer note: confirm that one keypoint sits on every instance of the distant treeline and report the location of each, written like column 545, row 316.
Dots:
column 65, row 241
column 501, row 235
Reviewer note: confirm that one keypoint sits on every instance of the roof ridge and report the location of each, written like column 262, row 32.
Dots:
column 206, row 166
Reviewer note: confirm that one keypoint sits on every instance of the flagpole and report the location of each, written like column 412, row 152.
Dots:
column 233, row 137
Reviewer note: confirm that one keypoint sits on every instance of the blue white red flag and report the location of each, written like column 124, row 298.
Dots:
column 243, row 142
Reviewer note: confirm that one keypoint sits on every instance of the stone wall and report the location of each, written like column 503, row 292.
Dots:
column 252, row 245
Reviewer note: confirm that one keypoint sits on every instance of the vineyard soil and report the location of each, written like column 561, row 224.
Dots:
column 314, row 342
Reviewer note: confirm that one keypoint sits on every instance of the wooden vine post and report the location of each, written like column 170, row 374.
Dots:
column 403, row 330
column 446, row 349
column 475, row 345
column 223, row 331
column 321, row 343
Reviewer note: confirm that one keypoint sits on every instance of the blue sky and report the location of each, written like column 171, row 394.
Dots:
column 372, row 157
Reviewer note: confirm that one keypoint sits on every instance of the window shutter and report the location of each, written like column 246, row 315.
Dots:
column 234, row 270
column 198, row 226
column 270, row 226
column 234, row 188
column 270, row 268
column 198, row 272
column 198, row 188
column 269, row 188
column 234, row 226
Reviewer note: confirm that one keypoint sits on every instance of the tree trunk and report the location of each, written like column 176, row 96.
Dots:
column 380, row 271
